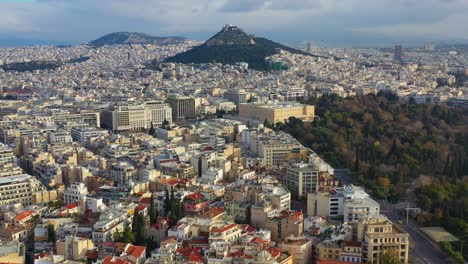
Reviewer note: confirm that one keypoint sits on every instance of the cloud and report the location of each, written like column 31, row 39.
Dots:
column 82, row 20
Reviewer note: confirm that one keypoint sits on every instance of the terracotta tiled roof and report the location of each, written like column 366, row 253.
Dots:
column 195, row 196
column 24, row 215
column 213, row 212
column 135, row 251
column 145, row 200
column 223, row 229
column 115, row 260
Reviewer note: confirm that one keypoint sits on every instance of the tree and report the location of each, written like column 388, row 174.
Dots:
column 266, row 124
column 152, row 211
column 167, row 203
column 51, row 233
column 138, row 228
column 390, row 257
column 151, row 130
column 165, row 124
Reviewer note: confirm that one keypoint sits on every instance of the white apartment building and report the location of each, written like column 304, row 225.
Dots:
column 360, row 208
column 75, row 193
column 132, row 117
column 350, row 202
column 84, row 134
column 114, row 218
column 225, row 233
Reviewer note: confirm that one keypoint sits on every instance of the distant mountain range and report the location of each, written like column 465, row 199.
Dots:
column 232, row 45
column 133, row 38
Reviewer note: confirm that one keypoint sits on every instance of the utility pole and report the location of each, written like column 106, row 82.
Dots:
column 408, row 209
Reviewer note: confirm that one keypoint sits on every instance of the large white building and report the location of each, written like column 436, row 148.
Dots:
column 75, row 193
column 133, row 117
column 350, row 202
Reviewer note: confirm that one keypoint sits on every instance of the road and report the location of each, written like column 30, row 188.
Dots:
column 422, row 250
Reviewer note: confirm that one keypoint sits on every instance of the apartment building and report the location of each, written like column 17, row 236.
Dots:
column 348, row 202
column 285, row 224
column 382, row 235
column 275, row 149
column 19, row 189
column 91, row 118
column 274, row 112
column 73, row 247
column 301, row 179
column 76, row 192
column 299, row 247
column 133, row 117
column 85, row 134
column 225, row 232
column 114, row 218
column 6, row 155
column 346, row 251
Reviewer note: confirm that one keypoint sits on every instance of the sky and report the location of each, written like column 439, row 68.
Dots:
column 294, row 22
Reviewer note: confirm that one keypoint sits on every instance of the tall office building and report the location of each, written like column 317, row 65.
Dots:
column 183, row 107
column 132, row 117
column 398, row 53
column 238, row 97
column 301, row 179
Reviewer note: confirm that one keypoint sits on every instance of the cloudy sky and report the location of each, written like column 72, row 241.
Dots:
column 324, row 22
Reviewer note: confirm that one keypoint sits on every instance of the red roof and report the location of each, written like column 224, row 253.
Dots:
column 24, row 215
column 195, row 255
column 352, row 243
column 140, row 207
column 115, row 260
column 274, row 252
column 223, row 229
column 72, row 205
column 135, row 251
column 195, row 196
column 145, row 200
column 208, row 149
column 257, row 240
column 184, row 251
column 295, row 215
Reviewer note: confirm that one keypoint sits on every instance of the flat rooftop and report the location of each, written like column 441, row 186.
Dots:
column 438, row 234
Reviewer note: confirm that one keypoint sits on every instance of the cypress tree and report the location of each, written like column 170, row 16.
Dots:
column 153, row 212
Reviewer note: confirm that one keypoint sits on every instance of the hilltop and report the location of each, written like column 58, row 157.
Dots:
column 133, row 38
column 232, row 45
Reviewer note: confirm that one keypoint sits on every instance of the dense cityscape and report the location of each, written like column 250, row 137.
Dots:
column 115, row 154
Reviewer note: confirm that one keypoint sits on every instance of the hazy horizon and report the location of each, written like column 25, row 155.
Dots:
column 335, row 23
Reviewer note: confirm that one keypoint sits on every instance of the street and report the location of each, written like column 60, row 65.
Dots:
column 422, row 250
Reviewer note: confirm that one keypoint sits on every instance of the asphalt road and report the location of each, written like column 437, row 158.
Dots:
column 422, row 250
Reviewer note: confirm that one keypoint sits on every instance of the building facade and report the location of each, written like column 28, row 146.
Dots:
column 133, row 117
column 301, row 179
column 275, row 112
